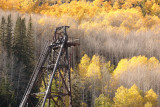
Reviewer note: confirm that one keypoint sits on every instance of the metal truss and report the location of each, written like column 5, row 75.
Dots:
column 52, row 74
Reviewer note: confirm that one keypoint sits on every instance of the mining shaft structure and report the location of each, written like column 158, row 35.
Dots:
column 50, row 82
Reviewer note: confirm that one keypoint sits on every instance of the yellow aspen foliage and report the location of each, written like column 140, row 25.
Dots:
column 153, row 63
column 21, row 5
column 59, row 2
column 116, row 5
column 127, row 5
column 124, row 17
column 151, row 97
column 138, row 70
column 121, row 99
column 121, row 1
column 157, row 1
column 116, row 15
column 151, row 21
column 134, row 63
column 128, row 97
column 83, row 66
column 148, row 104
column 134, row 1
column 27, row 5
column 155, row 9
column 131, row 3
column 134, row 97
column 98, row 3
column 107, row 6
column 148, row 6
column 7, row 4
column 94, row 69
column 122, row 67
column 134, row 15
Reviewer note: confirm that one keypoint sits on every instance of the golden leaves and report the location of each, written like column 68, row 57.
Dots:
column 132, row 97
column 83, row 66
column 116, row 15
column 93, row 68
column 131, row 65
column 151, row 97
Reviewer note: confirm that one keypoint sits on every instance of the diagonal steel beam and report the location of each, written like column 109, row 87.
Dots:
column 53, row 73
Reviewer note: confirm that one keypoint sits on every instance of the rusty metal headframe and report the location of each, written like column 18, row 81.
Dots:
column 52, row 70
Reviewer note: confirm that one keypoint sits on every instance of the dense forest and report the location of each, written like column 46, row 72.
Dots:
column 117, row 62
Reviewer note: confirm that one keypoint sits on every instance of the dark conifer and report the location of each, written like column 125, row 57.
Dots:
column 17, row 39
column 19, row 61
column 8, row 39
column 3, row 31
column 23, row 50
column 30, row 45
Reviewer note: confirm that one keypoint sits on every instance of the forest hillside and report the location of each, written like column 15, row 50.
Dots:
column 117, row 62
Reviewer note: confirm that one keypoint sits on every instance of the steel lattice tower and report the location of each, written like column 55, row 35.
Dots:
column 52, row 69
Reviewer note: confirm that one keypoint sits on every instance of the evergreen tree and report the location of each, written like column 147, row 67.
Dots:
column 23, row 50
column 20, row 74
column 8, row 39
column 3, row 31
column 16, row 51
column 2, row 38
column 23, row 44
column 6, row 95
column 8, row 46
column 30, row 46
column 6, row 91
column 17, row 39
column 20, row 41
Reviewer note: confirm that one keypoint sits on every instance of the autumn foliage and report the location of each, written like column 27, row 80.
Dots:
column 138, row 70
column 125, row 32
column 139, row 15
column 133, row 97
column 138, row 74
